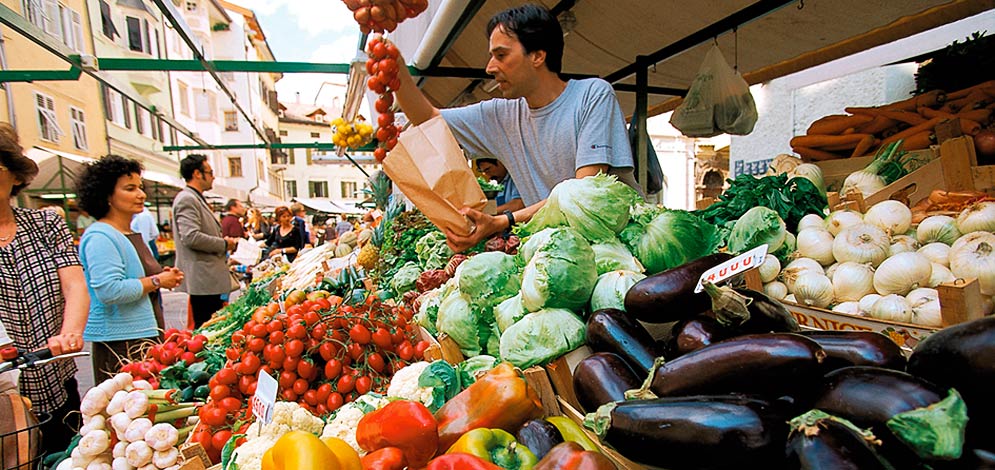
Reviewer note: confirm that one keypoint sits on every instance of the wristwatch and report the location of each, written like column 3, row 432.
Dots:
column 156, row 282
column 511, row 221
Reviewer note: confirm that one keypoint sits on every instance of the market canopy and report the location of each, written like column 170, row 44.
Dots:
column 329, row 206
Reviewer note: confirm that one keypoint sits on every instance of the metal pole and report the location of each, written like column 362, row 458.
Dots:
column 65, row 200
column 639, row 121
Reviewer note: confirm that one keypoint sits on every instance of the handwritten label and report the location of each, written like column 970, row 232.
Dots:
column 265, row 398
column 744, row 262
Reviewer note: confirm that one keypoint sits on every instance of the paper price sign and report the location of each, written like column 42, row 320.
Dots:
column 744, row 262
column 265, row 398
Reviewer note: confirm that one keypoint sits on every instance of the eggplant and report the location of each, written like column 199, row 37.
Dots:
column 899, row 408
column 669, row 295
column 612, row 330
column 770, row 365
column 693, row 334
column 602, row 378
column 767, row 315
column 819, row 441
column 698, row 432
column 857, row 348
column 539, row 435
column 962, row 356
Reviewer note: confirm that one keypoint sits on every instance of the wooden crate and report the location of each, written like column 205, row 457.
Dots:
column 620, row 461
column 442, row 347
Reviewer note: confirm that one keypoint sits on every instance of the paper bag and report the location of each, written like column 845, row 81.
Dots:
column 247, row 252
column 429, row 168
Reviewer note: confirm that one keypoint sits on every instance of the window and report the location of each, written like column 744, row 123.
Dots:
column 318, row 188
column 349, row 189
column 143, row 121
column 191, row 6
column 292, row 152
column 125, row 112
column 51, row 20
column 205, row 105
column 319, row 117
column 231, row 121
column 112, row 106
column 184, row 98
column 307, row 155
column 48, row 124
column 289, row 189
column 235, row 167
column 78, row 120
column 134, row 33
column 72, row 28
column 106, row 23
column 315, row 135
column 283, row 133
column 32, row 11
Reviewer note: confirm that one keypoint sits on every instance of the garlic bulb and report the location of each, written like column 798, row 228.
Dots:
column 937, row 252
column 839, row 220
column 937, row 228
column 816, row 244
column 925, row 304
column 769, row 268
column 776, row 290
column 940, row 275
column 813, row 289
column 973, row 255
column 810, row 221
column 902, row 273
column 979, row 217
column 893, row 217
column 902, row 244
column 831, row 270
column 796, row 268
column 892, row 307
column 862, row 243
column 867, row 302
column 851, row 308
column 852, row 281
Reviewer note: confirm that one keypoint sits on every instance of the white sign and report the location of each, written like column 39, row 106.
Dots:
column 744, row 262
column 265, row 397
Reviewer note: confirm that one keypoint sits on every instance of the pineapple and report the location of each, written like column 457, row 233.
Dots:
column 379, row 190
column 368, row 256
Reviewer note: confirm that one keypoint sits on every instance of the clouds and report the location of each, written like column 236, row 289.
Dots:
column 313, row 17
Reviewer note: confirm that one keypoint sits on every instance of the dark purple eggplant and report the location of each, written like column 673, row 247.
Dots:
column 770, row 365
column 767, row 315
column 898, row 408
column 614, row 331
column 539, row 436
column 700, row 432
column 819, row 441
column 963, row 357
column 858, row 348
column 669, row 295
column 692, row 334
column 602, row 378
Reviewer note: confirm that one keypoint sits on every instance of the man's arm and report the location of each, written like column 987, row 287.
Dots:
column 410, row 98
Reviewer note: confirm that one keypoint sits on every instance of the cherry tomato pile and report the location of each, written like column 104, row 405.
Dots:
column 179, row 346
column 383, row 15
column 321, row 355
column 382, row 67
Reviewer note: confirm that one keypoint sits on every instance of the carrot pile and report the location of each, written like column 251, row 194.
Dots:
column 913, row 121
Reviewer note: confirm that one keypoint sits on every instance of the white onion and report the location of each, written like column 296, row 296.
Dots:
column 867, row 302
column 812, row 173
column 979, row 217
column 776, row 289
column 937, row 228
column 864, row 181
column 891, row 216
column 973, row 255
column 862, row 243
column 769, row 268
column 817, row 244
column 814, row 289
column 925, row 304
column 892, row 307
column 937, row 252
column 796, row 268
column 940, row 275
column 852, row 308
column 902, row 273
column 839, row 220
column 902, row 244
column 831, row 270
column 852, row 281
column 810, row 221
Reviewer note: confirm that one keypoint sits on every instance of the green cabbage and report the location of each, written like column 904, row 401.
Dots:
column 757, row 226
column 533, row 242
column 473, row 367
column 428, row 311
column 432, row 251
column 489, row 278
column 405, row 278
column 508, row 312
column 609, row 291
column 561, row 274
column 662, row 239
column 468, row 325
column 612, row 255
column 596, row 206
column 541, row 337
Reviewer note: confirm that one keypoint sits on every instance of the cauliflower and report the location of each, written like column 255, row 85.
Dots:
column 404, row 384
column 343, row 423
column 287, row 416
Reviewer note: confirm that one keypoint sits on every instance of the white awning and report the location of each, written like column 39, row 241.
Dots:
column 224, row 193
column 265, row 200
column 163, row 178
column 330, row 206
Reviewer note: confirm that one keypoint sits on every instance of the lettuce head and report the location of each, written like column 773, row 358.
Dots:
column 468, row 325
column 757, row 226
column 561, row 273
column 490, row 278
column 662, row 238
column 610, row 290
column 596, row 206
column 541, row 337
column 612, row 255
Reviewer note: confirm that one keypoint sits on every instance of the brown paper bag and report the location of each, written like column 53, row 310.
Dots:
column 429, row 167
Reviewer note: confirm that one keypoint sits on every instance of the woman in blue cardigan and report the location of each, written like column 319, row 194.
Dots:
column 121, row 312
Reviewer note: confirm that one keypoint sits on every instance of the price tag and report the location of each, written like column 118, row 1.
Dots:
column 265, row 398
column 744, row 262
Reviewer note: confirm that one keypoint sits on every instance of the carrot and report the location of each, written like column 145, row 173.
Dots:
column 820, row 141
column 971, row 101
column 969, row 127
column 977, row 115
column 907, row 117
column 931, row 113
column 863, row 110
column 929, row 99
column 876, row 125
column 926, row 126
column 967, row 91
column 836, row 124
column 865, row 144
column 918, row 141
column 811, row 154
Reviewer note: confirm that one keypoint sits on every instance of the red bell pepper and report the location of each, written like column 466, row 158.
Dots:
column 387, row 458
column 406, row 425
column 500, row 399
column 460, row 461
column 571, row 456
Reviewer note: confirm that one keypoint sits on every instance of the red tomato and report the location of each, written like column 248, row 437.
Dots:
column 244, row 382
column 287, row 379
column 300, row 386
column 251, row 389
column 276, row 337
column 323, row 392
column 405, row 350
column 274, row 326
column 376, row 362
column 420, row 348
column 258, row 331
column 311, row 397
column 213, row 416
column 204, row 437
column 297, row 331
column 363, row 384
column 345, row 384
column 295, row 310
column 237, row 337
column 381, row 338
column 391, row 50
column 385, row 119
column 230, row 404
column 371, row 66
column 324, row 303
column 278, row 355
column 220, row 438
column 288, row 395
column 250, row 363
column 332, row 369
column 294, row 348
column 226, row 376
column 327, row 350
column 290, row 363
column 220, row 392
column 355, row 351
column 307, row 304
column 360, row 334
column 306, row 369
column 311, row 318
column 334, row 401
column 318, row 332
column 377, row 49
column 255, row 345
column 397, row 337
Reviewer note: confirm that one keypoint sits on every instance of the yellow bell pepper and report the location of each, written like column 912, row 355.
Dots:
column 299, row 450
column 348, row 457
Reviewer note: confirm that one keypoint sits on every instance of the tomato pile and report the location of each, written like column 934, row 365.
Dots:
column 179, row 346
column 382, row 67
column 383, row 15
column 322, row 355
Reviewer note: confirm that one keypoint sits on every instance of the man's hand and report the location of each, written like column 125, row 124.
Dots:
column 232, row 242
column 486, row 226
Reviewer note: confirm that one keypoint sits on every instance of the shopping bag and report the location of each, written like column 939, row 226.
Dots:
column 428, row 166
column 247, row 252
column 719, row 101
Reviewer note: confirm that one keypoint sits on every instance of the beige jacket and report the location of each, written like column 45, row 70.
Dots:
column 200, row 248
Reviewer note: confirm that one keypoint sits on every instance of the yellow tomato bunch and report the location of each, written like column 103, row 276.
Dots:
column 353, row 134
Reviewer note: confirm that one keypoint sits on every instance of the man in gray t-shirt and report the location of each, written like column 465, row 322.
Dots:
column 547, row 130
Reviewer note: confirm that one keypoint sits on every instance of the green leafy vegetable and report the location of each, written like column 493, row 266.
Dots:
column 432, row 251
column 487, row 185
column 662, row 239
column 443, row 379
column 758, row 226
column 561, row 273
column 541, row 337
column 468, row 325
column 404, row 279
column 508, row 312
column 610, row 290
column 612, row 255
column 792, row 199
column 596, row 206
column 490, row 278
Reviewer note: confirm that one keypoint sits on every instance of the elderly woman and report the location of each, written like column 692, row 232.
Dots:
column 43, row 298
column 120, row 270
column 285, row 238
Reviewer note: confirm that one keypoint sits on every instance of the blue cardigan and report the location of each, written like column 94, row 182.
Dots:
column 119, row 310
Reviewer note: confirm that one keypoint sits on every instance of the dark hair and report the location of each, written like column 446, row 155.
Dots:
column 492, row 161
column 231, row 203
column 279, row 211
column 12, row 158
column 95, row 185
column 536, row 28
column 296, row 207
column 190, row 164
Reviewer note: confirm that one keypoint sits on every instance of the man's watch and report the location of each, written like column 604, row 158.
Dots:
column 156, row 282
column 511, row 221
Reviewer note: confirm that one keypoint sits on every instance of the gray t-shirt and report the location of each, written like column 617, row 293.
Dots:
column 542, row 147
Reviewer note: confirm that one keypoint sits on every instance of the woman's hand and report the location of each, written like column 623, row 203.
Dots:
column 276, row 252
column 169, row 278
column 65, row 343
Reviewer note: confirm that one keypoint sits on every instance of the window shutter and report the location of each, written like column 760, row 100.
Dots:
column 50, row 17
column 78, row 31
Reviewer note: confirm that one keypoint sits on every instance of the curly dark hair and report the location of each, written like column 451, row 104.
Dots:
column 12, row 158
column 95, row 185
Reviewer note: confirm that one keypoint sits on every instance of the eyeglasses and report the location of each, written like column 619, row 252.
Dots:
column 207, row 172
